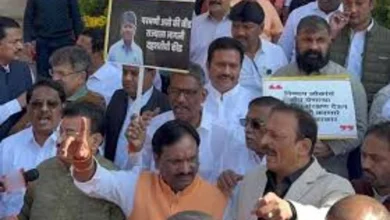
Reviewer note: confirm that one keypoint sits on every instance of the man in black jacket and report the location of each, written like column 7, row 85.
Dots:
column 49, row 25
column 121, row 109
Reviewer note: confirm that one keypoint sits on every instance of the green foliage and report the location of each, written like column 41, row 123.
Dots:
column 382, row 12
column 93, row 7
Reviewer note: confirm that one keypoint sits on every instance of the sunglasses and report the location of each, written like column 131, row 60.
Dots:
column 256, row 124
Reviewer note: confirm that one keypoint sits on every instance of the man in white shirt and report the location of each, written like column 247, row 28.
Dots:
column 208, row 27
column 322, row 8
column 227, row 100
column 262, row 58
column 122, row 108
column 28, row 148
column 254, row 125
column 218, row 143
column 106, row 80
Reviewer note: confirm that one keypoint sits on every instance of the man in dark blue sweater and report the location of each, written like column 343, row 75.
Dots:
column 15, row 76
column 50, row 25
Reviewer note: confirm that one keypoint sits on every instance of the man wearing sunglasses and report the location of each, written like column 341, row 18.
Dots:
column 293, row 185
column 28, row 148
column 254, row 125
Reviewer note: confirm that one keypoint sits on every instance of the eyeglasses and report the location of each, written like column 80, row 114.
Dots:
column 256, row 124
column 186, row 92
column 62, row 74
column 39, row 104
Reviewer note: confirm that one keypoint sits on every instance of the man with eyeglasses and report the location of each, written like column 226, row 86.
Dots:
column 70, row 66
column 186, row 95
column 293, row 185
column 254, row 125
column 28, row 148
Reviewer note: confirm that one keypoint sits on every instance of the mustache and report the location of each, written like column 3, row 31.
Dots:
column 180, row 106
column 365, row 172
column 225, row 76
column 189, row 174
column 311, row 60
column 312, row 52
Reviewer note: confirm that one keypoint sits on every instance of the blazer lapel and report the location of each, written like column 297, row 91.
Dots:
column 116, row 116
column 301, row 185
column 253, row 190
column 151, row 104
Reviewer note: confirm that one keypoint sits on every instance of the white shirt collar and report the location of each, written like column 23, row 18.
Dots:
column 144, row 98
column 371, row 25
column 206, row 121
column 6, row 68
column 369, row 28
column 217, row 95
column 109, row 68
column 31, row 137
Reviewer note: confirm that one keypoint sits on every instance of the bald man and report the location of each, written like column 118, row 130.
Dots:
column 358, row 207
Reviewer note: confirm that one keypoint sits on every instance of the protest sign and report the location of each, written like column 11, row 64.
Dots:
column 328, row 98
column 158, row 29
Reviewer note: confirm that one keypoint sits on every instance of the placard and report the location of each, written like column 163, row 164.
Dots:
column 328, row 98
column 158, row 31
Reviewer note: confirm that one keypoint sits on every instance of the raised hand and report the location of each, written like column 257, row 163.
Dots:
column 136, row 131
column 227, row 181
column 337, row 22
column 76, row 148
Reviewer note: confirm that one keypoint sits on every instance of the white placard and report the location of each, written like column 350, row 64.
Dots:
column 328, row 98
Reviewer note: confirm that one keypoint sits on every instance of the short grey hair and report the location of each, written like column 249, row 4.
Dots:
column 75, row 56
column 197, row 72
column 191, row 215
column 129, row 17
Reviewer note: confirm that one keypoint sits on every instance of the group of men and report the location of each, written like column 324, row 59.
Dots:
column 212, row 146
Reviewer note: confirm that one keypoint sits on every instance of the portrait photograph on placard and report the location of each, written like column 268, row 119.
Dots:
column 150, row 33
